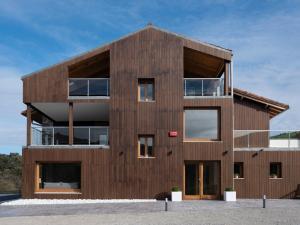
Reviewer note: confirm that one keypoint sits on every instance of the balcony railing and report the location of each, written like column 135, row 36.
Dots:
column 88, row 87
column 266, row 139
column 201, row 87
column 60, row 136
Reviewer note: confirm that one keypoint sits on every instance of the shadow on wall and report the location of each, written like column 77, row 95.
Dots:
column 163, row 196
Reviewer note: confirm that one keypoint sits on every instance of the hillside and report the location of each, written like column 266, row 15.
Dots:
column 10, row 173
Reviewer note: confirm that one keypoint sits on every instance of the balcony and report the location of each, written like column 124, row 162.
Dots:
column 274, row 139
column 203, row 87
column 88, row 87
column 85, row 136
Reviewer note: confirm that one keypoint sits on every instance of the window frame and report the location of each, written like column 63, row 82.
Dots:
column 38, row 180
column 145, row 82
column 241, row 166
column 146, row 137
column 185, row 139
column 279, row 172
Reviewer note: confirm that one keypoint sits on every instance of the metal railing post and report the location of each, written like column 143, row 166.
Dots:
column 53, row 143
column 289, row 140
column 88, row 87
column 248, row 137
column 89, row 136
column 202, row 87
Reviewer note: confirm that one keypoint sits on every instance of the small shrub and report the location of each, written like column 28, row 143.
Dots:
column 175, row 189
column 229, row 189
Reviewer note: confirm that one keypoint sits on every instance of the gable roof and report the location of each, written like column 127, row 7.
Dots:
column 274, row 107
column 207, row 48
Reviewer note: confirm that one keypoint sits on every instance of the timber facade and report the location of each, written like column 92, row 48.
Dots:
column 146, row 113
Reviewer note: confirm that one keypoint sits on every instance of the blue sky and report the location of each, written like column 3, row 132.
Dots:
column 264, row 37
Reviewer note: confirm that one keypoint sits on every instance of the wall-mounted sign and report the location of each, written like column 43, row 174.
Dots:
column 173, row 133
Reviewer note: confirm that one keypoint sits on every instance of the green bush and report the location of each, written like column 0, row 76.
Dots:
column 10, row 173
column 229, row 189
column 175, row 189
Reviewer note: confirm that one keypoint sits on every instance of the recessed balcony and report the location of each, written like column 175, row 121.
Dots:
column 88, row 88
column 203, row 87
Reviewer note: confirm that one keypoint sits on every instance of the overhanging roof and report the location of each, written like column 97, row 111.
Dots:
column 274, row 107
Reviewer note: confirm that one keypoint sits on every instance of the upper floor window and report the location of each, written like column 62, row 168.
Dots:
column 238, row 170
column 146, row 90
column 201, row 124
column 145, row 147
column 275, row 170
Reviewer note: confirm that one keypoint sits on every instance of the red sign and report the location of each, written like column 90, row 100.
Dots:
column 173, row 133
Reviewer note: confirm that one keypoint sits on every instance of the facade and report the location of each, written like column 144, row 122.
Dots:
column 148, row 112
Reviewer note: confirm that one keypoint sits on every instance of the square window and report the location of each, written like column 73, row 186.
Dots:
column 201, row 124
column 238, row 170
column 275, row 170
column 146, row 90
column 145, row 147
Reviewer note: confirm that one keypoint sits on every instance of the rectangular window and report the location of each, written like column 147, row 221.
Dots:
column 238, row 170
column 146, row 90
column 201, row 124
column 145, row 147
column 275, row 170
column 58, row 177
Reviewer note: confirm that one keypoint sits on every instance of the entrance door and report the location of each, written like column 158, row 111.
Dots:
column 202, row 180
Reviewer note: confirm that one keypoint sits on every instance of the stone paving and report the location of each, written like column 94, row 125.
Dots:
column 186, row 212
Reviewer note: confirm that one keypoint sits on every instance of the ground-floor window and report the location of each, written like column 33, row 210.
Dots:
column 58, row 177
column 275, row 170
column 238, row 170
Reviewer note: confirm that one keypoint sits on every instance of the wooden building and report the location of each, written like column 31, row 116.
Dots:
column 145, row 113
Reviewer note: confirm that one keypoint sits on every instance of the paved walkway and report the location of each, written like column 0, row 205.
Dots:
column 187, row 212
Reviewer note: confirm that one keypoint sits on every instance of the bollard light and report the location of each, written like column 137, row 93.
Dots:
column 166, row 204
column 264, row 201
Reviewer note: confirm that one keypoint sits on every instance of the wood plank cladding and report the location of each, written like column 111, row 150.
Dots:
column 117, row 172
column 256, row 180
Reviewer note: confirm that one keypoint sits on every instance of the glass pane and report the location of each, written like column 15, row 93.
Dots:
column 99, row 136
column 142, row 146
column 98, row 87
column 81, row 136
column 47, row 136
column 150, row 146
column 193, row 87
column 78, row 87
column 60, row 175
column 191, row 179
column 211, row 178
column 150, row 92
column 142, row 92
column 61, row 136
column 201, row 124
column 212, row 87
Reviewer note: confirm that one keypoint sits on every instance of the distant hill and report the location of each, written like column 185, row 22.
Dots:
column 292, row 135
column 10, row 173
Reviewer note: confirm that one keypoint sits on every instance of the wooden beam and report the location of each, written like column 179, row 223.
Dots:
column 29, row 121
column 226, row 78
column 71, row 123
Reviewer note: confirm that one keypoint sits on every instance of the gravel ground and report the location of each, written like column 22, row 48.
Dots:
column 187, row 212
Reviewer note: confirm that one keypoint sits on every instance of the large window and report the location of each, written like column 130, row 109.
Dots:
column 275, row 170
column 201, row 124
column 146, row 90
column 58, row 177
column 145, row 147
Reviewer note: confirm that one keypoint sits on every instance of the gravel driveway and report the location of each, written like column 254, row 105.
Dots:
column 187, row 212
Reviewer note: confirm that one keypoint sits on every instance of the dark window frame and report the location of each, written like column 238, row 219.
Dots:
column 145, row 83
column 146, row 154
column 241, row 170
column 278, row 173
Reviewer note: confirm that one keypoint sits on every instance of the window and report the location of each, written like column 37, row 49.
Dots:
column 201, row 124
column 146, row 90
column 58, row 177
column 275, row 170
column 145, row 147
column 238, row 170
